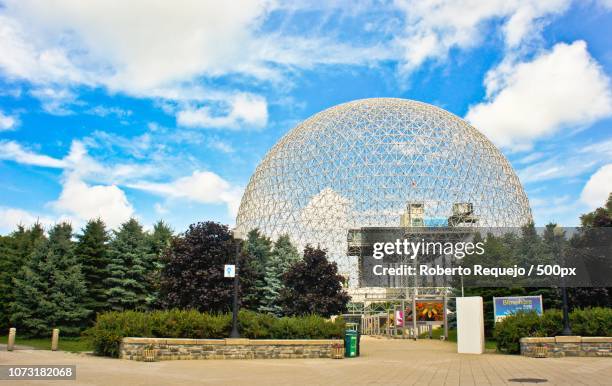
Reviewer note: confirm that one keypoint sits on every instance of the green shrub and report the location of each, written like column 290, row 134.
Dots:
column 592, row 322
column 584, row 322
column 111, row 327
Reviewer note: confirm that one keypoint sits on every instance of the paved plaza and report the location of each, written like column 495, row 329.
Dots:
column 383, row 362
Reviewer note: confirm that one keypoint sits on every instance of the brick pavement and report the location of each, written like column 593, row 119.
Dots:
column 383, row 362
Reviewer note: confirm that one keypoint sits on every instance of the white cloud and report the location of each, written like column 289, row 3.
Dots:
column 11, row 217
column 433, row 28
column 55, row 99
column 220, row 145
column 202, row 187
column 132, row 46
column 104, row 111
column 562, row 88
column 598, row 187
column 244, row 110
column 7, row 122
column 11, row 150
column 91, row 201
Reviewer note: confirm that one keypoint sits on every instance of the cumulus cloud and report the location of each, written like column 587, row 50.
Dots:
column 11, row 217
column 7, row 122
column 85, row 202
column 201, row 186
column 598, row 187
column 79, row 201
column 433, row 28
column 559, row 89
column 244, row 110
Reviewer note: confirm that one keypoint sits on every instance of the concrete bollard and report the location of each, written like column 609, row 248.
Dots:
column 55, row 339
column 11, row 339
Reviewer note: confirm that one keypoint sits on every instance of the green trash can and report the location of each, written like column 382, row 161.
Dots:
column 351, row 343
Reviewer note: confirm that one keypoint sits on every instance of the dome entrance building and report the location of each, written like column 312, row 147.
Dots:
column 380, row 163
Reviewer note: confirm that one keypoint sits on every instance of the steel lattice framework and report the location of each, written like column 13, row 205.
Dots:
column 360, row 164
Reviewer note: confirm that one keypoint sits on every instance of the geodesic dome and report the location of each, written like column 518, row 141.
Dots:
column 380, row 163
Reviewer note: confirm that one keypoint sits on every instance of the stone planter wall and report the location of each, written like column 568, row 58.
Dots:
column 561, row 346
column 185, row 349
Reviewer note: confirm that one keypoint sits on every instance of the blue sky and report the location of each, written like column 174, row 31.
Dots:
column 162, row 110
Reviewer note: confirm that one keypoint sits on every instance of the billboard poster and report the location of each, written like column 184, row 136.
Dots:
column 427, row 312
column 399, row 318
column 505, row 306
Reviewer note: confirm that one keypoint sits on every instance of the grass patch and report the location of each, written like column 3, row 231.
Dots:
column 452, row 337
column 70, row 344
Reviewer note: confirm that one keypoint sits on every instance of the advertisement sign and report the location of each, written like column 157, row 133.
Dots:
column 399, row 318
column 427, row 312
column 505, row 306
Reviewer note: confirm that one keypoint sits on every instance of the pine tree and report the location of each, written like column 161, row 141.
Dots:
column 50, row 289
column 129, row 260
column 259, row 248
column 283, row 256
column 92, row 254
column 159, row 240
column 15, row 252
column 313, row 286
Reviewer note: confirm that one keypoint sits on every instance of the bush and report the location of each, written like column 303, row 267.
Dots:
column 111, row 327
column 584, row 322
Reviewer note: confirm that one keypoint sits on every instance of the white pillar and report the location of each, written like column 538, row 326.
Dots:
column 470, row 325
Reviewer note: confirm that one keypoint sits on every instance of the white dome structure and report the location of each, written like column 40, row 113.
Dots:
column 380, row 163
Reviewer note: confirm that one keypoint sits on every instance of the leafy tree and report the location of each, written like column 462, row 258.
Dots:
column 92, row 251
column 313, row 286
column 159, row 240
column 15, row 252
column 259, row 249
column 584, row 245
column 129, row 262
column 600, row 217
column 193, row 274
column 50, row 289
column 282, row 257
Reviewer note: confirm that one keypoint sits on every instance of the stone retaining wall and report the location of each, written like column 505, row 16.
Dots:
column 181, row 349
column 560, row 346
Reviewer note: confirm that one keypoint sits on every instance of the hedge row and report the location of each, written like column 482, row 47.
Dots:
column 584, row 322
column 111, row 327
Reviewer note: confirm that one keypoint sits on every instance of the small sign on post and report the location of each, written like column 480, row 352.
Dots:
column 229, row 270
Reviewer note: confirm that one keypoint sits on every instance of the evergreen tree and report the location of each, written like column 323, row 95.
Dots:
column 92, row 253
column 50, row 289
column 15, row 252
column 129, row 261
column 159, row 240
column 313, row 286
column 283, row 256
column 193, row 274
column 259, row 248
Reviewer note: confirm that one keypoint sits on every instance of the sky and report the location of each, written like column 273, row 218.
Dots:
column 163, row 109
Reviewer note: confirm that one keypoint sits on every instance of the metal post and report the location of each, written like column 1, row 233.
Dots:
column 414, row 317
column 445, row 317
column 11, row 339
column 235, row 333
column 55, row 339
column 567, row 330
column 558, row 234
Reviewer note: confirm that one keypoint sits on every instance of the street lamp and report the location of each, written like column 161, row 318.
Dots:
column 558, row 234
column 237, row 239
